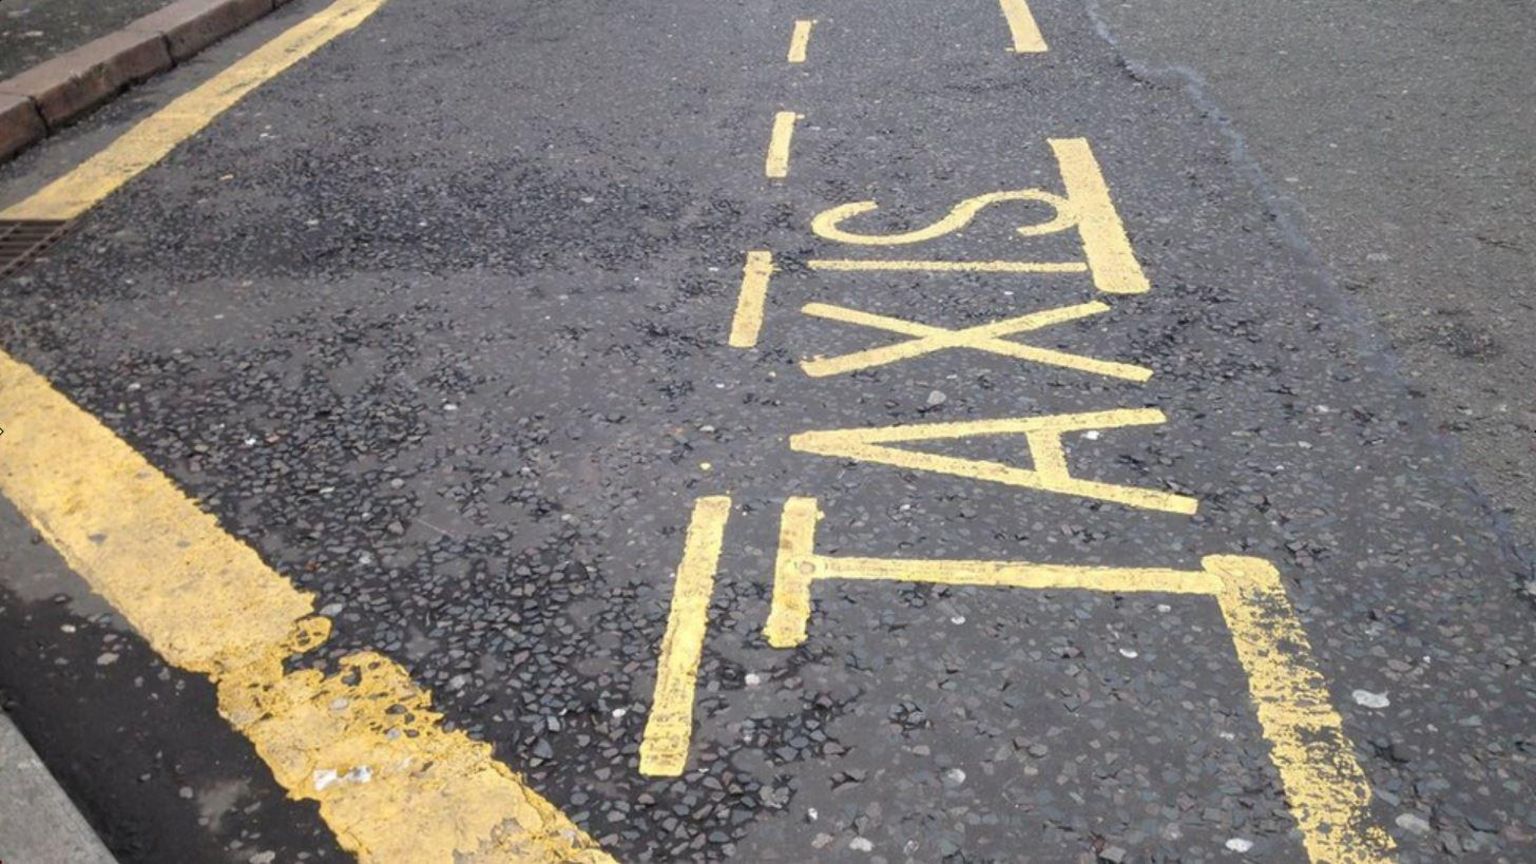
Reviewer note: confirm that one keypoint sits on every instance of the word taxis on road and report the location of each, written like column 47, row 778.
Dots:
column 1326, row 790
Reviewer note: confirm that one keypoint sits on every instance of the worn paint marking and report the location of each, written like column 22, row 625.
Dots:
column 1043, row 435
column 1027, row 38
column 664, row 748
column 1328, row 792
column 777, row 163
column 800, row 39
column 394, row 785
column 160, row 133
column 748, row 321
column 984, row 337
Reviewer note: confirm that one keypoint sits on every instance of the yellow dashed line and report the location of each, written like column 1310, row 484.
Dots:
column 748, row 321
column 664, row 749
column 1021, row 23
column 777, row 163
column 799, row 39
column 154, row 137
column 391, row 782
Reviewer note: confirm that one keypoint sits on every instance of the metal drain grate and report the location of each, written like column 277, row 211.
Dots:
column 22, row 239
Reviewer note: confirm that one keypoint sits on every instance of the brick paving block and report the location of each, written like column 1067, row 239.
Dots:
column 20, row 124
column 189, row 26
column 75, row 82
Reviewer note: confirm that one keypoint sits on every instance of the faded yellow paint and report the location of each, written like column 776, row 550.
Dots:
column 1043, row 435
column 800, row 39
column 160, row 133
column 984, row 337
column 858, row 264
column 777, row 163
column 1022, row 26
column 1325, row 787
column 1328, row 792
column 1086, row 206
column 668, row 730
column 394, row 785
column 748, row 321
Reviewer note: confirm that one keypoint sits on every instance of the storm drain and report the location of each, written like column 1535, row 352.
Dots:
column 23, row 239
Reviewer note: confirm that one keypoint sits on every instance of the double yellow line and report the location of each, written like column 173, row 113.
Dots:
column 391, row 781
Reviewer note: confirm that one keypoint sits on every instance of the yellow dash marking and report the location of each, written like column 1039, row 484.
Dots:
column 777, row 163
column 748, row 321
column 799, row 40
column 664, row 748
column 394, row 785
column 1105, row 243
column 1043, row 435
column 1021, row 23
column 150, row 140
column 855, row 264
column 1327, row 791
column 985, row 337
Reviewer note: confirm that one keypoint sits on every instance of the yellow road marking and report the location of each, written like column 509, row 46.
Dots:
column 1086, row 206
column 1328, row 793
column 1105, row 243
column 828, row 223
column 664, row 748
column 150, row 140
column 1021, row 23
column 1043, row 435
column 748, row 321
column 799, row 40
column 777, row 163
column 393, row 784
column 857, row 264
column 985, row 337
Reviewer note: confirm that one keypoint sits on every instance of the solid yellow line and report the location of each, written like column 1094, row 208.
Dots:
column 1021, row 23
column 664, row 748
column 394, row 785
column 150, row 140
column 777, row 163
column 748, row 321
column 1325, row 787
column 799, row 40
column 847, row 264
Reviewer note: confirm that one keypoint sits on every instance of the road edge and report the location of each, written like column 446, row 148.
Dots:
column 51, row 95
column 41, row 823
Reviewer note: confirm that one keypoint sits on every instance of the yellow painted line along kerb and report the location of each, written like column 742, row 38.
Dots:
column 777, row 163
column 150, row 140
column 393, row 785
column 1325, row 787
column 748, row 320
column 664, row 748
column 799, row 40
column 1021, row 24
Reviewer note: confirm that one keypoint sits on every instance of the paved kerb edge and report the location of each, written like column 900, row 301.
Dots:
column 58, row 91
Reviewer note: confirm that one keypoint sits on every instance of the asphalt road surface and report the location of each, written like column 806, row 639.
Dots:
column 1058, row 503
